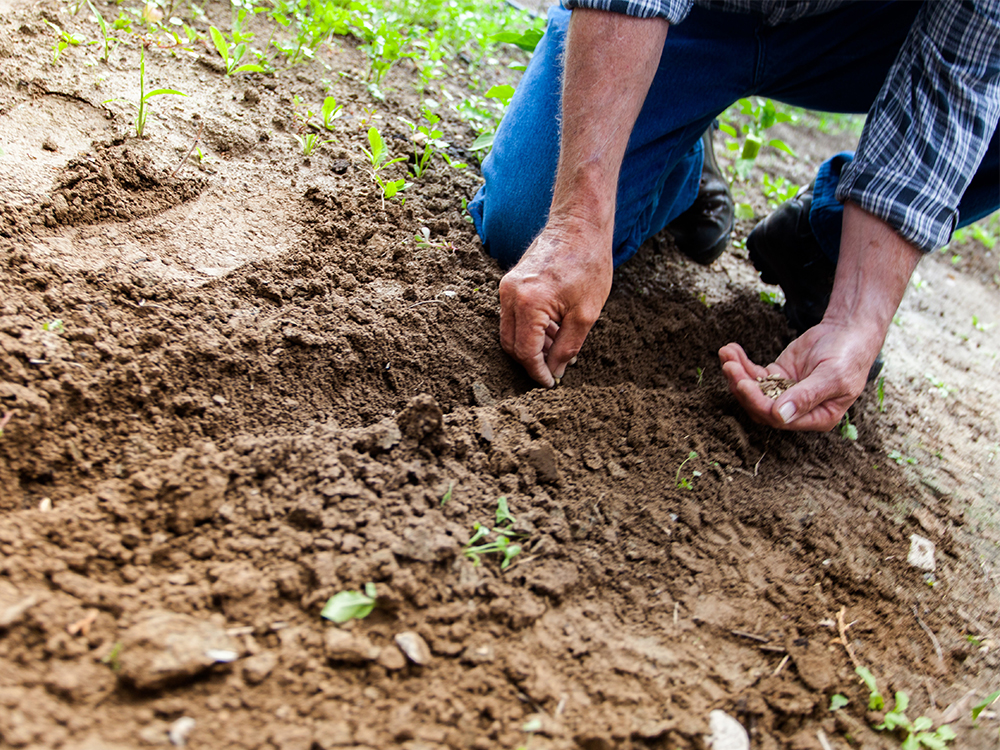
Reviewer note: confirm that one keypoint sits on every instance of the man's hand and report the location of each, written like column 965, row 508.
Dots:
column 551, row 298
column 830, row 361
column 829, row 364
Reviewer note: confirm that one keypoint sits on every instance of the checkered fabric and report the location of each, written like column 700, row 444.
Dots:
column 932, row 122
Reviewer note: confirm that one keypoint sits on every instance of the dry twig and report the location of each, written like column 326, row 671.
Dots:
column 930, row 634
column 842, row 629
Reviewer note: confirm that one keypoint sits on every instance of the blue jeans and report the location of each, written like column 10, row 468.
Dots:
column 835, row 62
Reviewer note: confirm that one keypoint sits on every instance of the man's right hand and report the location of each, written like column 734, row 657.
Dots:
column 550, row 300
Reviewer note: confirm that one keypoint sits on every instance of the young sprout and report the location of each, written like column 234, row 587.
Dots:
column 54, row 326
column 109, row 40
column 232, row 61
column 144, row 96
column 684, row 483
column 350, row 605
column 330, row 111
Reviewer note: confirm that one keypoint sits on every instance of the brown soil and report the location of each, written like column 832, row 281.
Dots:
column 263, row 387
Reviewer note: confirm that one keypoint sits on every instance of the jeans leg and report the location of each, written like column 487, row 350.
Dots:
column 661, row 170
column 981, row 197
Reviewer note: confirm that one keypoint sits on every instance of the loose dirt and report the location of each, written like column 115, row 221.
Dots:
column 264, row 390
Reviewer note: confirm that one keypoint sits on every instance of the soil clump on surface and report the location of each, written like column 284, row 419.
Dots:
column 236, row 387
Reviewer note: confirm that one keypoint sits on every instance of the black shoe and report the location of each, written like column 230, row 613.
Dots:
column 702, row 231
column 786, row 252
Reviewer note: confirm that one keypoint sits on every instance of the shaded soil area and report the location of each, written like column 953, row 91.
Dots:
column 235, row 387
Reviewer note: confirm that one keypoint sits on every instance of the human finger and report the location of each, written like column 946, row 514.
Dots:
column 567, row 344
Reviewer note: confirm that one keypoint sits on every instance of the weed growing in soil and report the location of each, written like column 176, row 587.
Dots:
column 232, row 57
column 378, row 159
column 683, row 483
column 917, row 731
column 54, row 326
column 880, row 393
column 109, row 41
column 502, row 545
column 64, row 41
column 330, row 112
column 760, row 116
column 980, row 707
column 350, row 605
column 838, row 701
column 144, row 96
column 848, row 431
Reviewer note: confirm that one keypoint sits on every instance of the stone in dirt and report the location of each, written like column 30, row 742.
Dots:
column 921, row 552
column 344, row 646
column 166, row 648
column 415, row 647
column 726, row 732
column 257, row 667
column 421, row 418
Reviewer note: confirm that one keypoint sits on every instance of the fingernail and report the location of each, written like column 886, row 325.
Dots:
column 787, row 411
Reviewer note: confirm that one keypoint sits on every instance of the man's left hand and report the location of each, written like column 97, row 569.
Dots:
column 829, row 364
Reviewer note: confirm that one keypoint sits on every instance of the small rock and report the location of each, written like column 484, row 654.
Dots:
column 921, row 552
column 421, row 418
column 391, row 658
column 481, row 395
column 49, row 145
column 726, row 732
column 344, row 646
column 166, row 648
column 542, row 456
column 257, row 668
column 179, row 731
column 482, row 654
column 415, row 647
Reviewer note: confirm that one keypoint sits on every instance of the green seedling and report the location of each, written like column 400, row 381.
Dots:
column 144, row 96
column 744, row 211
column 502, row 545
column 308, row 142
column 939, row 385
column 700, row 373
column 447, row 495
column 330, row 112
column 684, row 483
column 900, row 459
column 778, row 190
column 979, row 325
column 112, row 657
column 233, row 57
column 774, row 299
column 838, row 701
column 880, row 393
column 427, row 135
column 350, row 605
column 503, row 513
column 988, row 701
column 378, row 159
column 109, row 41
column 54, row 326
column 65, row 41
column 762, row 116
column 847, row 430
column 917, row 731
column 875, row 700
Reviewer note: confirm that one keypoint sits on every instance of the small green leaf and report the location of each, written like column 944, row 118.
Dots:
column 161, row 92
column 377, row 144
column 781, row 146
column 503, row 92
column 978, row 709
column 922, row 724
column 744, row 211
column 485, row 140
column 727, row 129
column 250, row 68
column 838, row 701
column 946, row 733
column 526, row 41
column 220, row 43
column 503, row 512
column 348, row 605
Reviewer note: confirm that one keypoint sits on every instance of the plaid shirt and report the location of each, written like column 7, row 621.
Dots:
column 932, row 122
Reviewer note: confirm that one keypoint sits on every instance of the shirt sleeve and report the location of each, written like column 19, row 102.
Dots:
column 930, row 126
column 673, row 11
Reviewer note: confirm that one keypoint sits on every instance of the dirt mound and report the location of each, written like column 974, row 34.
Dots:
column 188, row 474
column 113, row 183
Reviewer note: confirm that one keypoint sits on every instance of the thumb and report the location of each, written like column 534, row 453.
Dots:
column 812, row 404
column 568, row 342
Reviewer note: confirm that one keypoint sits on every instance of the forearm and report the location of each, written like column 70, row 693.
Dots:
column 609, row 65
column 873, row 270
